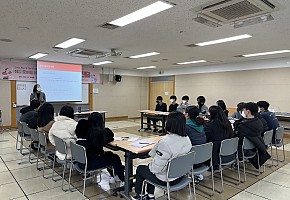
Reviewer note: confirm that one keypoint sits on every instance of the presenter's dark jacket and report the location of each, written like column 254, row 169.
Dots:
column 162, row 108
column 41, row 97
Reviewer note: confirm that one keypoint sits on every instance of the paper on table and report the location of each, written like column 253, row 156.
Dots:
column 141, row 143
column 132, row 139
column 120, row 138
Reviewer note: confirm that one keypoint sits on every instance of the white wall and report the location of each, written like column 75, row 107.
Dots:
column 5, row 102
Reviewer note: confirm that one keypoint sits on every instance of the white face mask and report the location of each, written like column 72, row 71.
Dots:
column 171, row 100
column 183, row 101
column 244, row 114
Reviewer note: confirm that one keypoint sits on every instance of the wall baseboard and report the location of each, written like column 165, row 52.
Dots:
column 119, row 118
column 135, row 118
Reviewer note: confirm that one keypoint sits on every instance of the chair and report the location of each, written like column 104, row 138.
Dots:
column 279, row 141
column 248, row 145
column 180, row 166
column 229, row 147
column 79, row 155
column 25, row 135
column 20, row 132
column 268, row 135
column 43, row 147
column 34, row 138
column 61, row 147
column 203, row 153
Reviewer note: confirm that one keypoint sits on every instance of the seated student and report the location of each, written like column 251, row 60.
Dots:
column 238, row 114
column 29, row 114
column 222, row 104
column 203, row 109
column 181, row 107
column 218, row 128
column 173, row 106
column 94, row 137
column 160, row 106
column 45, row 119
column 251, row 128
column 270, row 117
column 194, row 126
column 64, row 127
column 174, row 144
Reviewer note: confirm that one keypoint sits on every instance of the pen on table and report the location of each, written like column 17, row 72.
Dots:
column 144, row 143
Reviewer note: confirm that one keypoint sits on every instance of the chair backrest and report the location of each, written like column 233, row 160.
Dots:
column 229, row 146
column 203, row 152
column 42, row 139
column 20, row 128
column 247, row 144
column 279, row 133
column 34, row 134
column 60, row 145
column 26, row 129
column 180, row 165
column 0, row 115
column 78, row 153
column 268, row 137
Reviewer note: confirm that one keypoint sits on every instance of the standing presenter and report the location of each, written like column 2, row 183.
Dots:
column 37, row 94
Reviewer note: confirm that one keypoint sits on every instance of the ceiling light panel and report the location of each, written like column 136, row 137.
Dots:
column 103, row 63
column 142, row 13
column 69, row 43
column 145, row 55
column 38, row 55
column 266, row 53
column 148, row 67
column 229, row 39
column 191, row 62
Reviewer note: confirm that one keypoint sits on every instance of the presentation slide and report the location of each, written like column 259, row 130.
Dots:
column 59, row 81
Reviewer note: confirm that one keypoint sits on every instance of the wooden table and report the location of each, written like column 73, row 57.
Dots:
column 155, row 115
column 131, row 153
column 86, row 114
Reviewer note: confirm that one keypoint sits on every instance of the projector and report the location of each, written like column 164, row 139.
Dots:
column 114, row 53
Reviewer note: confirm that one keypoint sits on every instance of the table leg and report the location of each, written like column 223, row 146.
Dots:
column 128, row 175
column 142, row 120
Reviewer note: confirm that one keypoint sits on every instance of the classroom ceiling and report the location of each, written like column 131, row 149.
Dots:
column 37, row 25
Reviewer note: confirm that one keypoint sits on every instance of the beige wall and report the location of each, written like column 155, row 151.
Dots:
column 272, row 85
column 5, row 102
column 122, row 99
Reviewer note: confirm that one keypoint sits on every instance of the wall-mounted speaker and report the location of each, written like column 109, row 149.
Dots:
column 118, row 78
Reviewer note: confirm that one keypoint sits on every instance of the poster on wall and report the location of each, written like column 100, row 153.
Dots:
column 24, row 71
column 91, row 75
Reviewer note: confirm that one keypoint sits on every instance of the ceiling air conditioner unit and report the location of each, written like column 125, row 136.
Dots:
column 229, row 11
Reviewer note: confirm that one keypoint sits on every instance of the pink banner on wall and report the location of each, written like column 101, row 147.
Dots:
column 24, row 71
column 91, row 75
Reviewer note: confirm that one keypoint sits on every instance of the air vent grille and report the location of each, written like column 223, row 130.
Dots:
column 108, row 26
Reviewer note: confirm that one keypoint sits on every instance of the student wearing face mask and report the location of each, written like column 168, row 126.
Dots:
column 173, row 106
column 182, row 107
column 203, row 109
column 160, row 106
column 37, row 94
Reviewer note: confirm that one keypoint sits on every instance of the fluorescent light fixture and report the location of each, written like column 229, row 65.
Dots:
column 266, row 53
column 148, row 67
column 38, row 55
column 145, row 55
column 142, row 13
column 229, row 39
column 103, row 63
column 191, row 62
column 69, row 43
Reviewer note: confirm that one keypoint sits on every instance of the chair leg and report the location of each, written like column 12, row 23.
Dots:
column 21, row 145
column 63, row 173
column 244, row 170
column 258, row 162
column 238, row 166
column 277, row 158
column 17, row 141
column 84, row 187
column 38, row 150
column 43, row 168
column 168, row 191
column 53, row 164
column 212, row 179
column 272, row 155
column 69, row 177
column 29, row 157
column 190, row 194
column 222, row 179
column 283, row 151
column 194, row 191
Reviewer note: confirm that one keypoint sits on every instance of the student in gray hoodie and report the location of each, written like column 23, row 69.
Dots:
column 174, row 144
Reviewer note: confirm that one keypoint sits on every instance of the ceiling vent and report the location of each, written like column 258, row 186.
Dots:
column 108, row 26
column 229, row 11
column 89, row 53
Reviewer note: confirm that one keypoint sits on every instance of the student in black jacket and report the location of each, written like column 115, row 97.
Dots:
column 218, row 128
column 29, row 114
column 173, row 106
column 160, row 106
column 94, row 140
column 251, row 128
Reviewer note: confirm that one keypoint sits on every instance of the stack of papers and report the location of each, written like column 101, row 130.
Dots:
column 142, row 143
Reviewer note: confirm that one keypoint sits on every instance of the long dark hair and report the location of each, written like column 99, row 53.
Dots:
column 193, row 112
column 176, row 123
column 96, row 129
column 218, row 117
column 222, row 104
column 45, row 114
column 35, row 87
